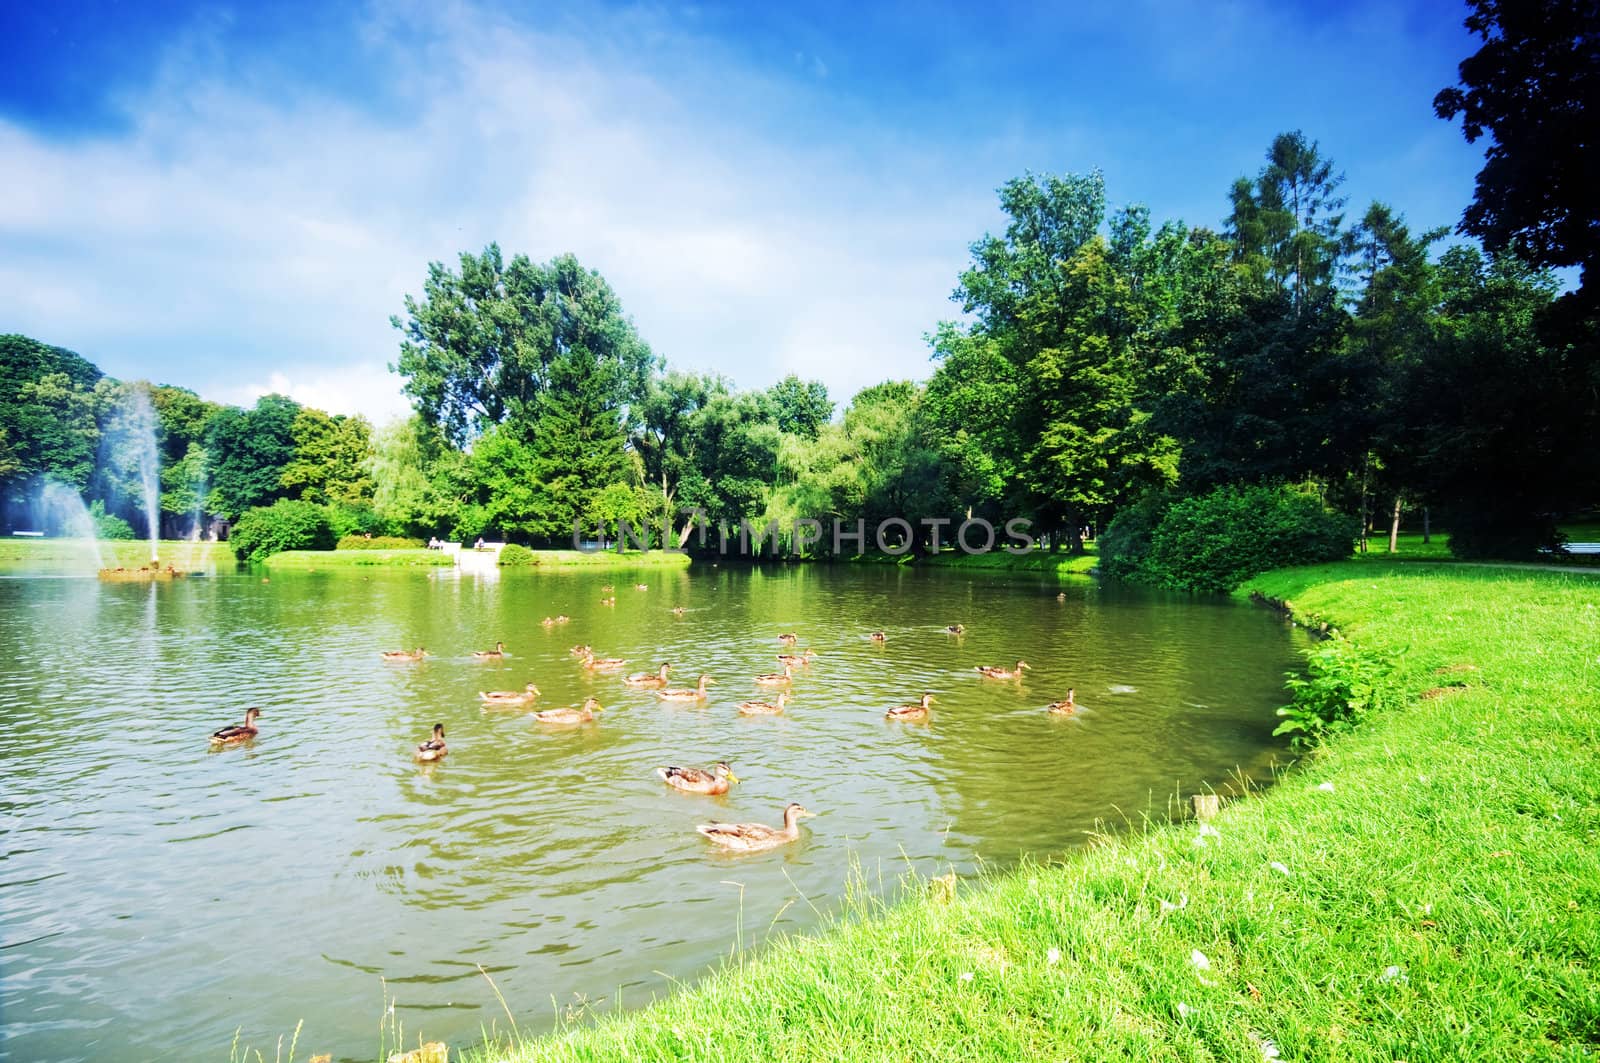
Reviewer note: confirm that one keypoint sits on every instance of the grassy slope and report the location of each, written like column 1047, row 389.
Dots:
column 1442, row 899
column 129, row 553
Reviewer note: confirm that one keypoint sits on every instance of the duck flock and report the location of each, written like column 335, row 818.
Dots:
column 739, row 837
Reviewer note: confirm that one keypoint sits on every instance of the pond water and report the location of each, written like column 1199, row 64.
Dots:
column 156, row 896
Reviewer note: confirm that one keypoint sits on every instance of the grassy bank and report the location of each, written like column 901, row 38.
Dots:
column 20, row 553
column 603, row 559
column 1041, row 561
column 311, row 560
column 1423, row 888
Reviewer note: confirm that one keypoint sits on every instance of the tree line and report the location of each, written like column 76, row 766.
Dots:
column 1103, row 364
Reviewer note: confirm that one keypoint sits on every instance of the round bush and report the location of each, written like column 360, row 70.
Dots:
column 1219, row 540
column 284, row 525
column 109, row 525
column 512, row 554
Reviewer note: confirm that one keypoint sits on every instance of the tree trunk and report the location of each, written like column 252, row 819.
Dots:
column 1365, row 519
column 1394, row 527
column 1427, row 532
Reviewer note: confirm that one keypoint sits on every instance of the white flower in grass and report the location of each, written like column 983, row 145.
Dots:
column 1184, row 1010
column 1199, row 960
column 1326, row 787
column 1208, row 831
column 1183, row 902
column 966, row 976
column 1199, row 841
column 1279, row 868
column 1269, row 1051
column 1392, row 973
column 1053, row 957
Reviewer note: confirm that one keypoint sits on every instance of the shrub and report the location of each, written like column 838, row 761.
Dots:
column 1124, row 544
column 108, row 525
column 378, row 542
column 284, row 525
column 348, row 520
column 1218, row 540
column 1342, row 685
column 512, row 554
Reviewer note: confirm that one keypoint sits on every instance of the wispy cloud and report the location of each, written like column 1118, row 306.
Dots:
column 235, row 231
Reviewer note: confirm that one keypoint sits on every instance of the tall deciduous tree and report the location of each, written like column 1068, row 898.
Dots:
column 248, row 451
column 329, row 464
column 800, row 407
column 1531, row 88
column 483, row 345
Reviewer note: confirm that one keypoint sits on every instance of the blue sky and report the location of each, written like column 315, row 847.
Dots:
column 236, row 198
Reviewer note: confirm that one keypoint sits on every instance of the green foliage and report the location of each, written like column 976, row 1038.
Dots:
column 329, row 464
column 108, row 525
column 377, row 542
column 1216, row 541
column 484, row 345
column 1125, row 543
column 287, row 524
column 248, row 451
column 354, row 519
column 514, row 555
column 1531, row 87
column 799, row 407
column 1342, row 685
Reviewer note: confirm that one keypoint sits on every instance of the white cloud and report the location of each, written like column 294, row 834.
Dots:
column 368, row 389
column 235, row 232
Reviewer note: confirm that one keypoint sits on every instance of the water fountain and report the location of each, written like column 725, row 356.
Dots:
column 135, row 434
column 62, row 509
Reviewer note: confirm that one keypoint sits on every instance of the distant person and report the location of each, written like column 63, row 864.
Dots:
column 479, row 544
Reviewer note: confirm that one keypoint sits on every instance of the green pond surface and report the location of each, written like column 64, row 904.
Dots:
column 155, row 896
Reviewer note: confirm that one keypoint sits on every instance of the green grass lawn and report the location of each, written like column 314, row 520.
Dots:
column 1042, row 561
column 311, row 560
column 605, row 559
column 1425, row 887
column 18, row 554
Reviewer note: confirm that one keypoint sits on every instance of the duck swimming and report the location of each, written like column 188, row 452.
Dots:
column 602, row 664
column 915, row 711
column 1066, row 706
column 238, row 732
column 509, row 697
column 956, row 629
column 788, row 638
column 699, row 780
column 649, row 679
column 878, row 636
column 405, row 655
column 797, row 660
column 687, row 693
column 581, row 652
column 583, row 715
column 754, row 837
column 764, row 708
column 990, row 671
column 433, row 748
column 495, row 654
column 776, row 679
